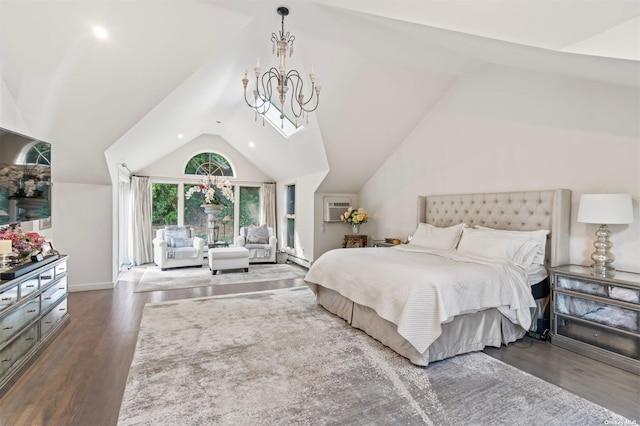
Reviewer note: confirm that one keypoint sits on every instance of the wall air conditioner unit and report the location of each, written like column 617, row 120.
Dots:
column 334, row 208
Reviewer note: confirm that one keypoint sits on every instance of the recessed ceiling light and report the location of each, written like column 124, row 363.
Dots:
column 180, row 136
column 252, row 144
column 100, row 33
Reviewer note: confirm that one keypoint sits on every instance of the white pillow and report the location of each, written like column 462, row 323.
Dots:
column 540, row 236
column 493, row 246
column 432, row 237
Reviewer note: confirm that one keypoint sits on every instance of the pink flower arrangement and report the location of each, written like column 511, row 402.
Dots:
column 22, row 242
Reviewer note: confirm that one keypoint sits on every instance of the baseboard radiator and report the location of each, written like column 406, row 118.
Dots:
column 299, row 260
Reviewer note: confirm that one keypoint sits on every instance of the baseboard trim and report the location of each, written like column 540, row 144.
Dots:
column 90, row 286
column 300, row 261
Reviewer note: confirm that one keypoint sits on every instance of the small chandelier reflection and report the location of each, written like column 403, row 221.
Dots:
column 283, row 80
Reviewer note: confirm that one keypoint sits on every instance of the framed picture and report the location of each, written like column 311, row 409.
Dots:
column 47, row 248
column 45, row 223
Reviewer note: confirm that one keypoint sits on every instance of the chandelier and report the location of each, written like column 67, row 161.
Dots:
column 283, row 80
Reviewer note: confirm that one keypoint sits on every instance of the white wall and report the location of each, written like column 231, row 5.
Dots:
column 173, row 164
column 81, row 214
column 82, row 221
column 305, row 214
column 330, row 235
column 503, row 129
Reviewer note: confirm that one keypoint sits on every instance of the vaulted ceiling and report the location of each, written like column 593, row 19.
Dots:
column 175, row 67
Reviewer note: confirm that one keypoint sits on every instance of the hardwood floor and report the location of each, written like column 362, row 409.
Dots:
column 80, row 378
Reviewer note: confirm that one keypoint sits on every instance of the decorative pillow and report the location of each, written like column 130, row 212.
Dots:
column 540, row 236
column 432, row 237
column 173, row 231
column 258, row 234
column 180, row 242
column 493, row 246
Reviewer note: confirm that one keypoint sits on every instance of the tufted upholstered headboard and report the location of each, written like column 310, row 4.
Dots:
column 516, row 211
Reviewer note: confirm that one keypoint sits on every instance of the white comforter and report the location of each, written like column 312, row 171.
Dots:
column 418, row 289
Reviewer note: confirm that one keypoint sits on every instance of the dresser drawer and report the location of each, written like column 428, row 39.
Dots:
column 8, row 297
column 61, row 268
column 46, row 277
column 599, row 312
column 52, row 318
column 12, row 323
column 51, row 295
column 593, row 334
column 29, row 286
column 17, row 349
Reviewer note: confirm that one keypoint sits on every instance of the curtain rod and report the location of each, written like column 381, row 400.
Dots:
column 186, row 179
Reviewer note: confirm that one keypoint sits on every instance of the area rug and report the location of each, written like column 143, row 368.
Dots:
column 155, row 279
column 276, row 357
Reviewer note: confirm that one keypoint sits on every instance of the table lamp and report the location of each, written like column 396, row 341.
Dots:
column 604, row 209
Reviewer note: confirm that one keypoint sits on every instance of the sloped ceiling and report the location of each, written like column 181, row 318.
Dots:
column 174, row 67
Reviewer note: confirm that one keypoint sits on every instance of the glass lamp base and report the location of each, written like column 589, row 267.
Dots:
column 603, row 271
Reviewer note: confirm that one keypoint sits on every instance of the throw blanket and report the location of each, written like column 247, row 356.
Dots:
column 419, row 289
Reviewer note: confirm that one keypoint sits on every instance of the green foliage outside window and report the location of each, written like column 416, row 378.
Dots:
column 249, row 206
column 164, row 199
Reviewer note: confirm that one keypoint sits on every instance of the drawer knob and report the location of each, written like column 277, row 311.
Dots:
column 6, row 360
column 47, row 298
column 7, row 328
column 6, row 298
column 30, row 311
column 62, row 309
column 30, row 285
column 48, row 322
column 29, row 338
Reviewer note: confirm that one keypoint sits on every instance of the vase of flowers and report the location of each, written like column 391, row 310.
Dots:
column 355, row 218
column 22, row 243
column 214, row 189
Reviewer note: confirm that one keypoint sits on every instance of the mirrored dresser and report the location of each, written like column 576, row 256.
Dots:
column 596, row 316
column 33, row 309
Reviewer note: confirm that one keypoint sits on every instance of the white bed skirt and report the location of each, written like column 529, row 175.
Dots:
column 466, row 333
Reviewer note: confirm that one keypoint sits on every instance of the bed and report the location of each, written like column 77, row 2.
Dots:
column 422, row 303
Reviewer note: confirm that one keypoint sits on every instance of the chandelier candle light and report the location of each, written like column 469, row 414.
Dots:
column 283, row 80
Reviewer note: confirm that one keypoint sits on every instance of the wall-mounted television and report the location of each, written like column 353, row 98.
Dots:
column 25, row 178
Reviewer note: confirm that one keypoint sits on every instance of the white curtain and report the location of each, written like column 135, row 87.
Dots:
column 269, row 205
column 141, row 229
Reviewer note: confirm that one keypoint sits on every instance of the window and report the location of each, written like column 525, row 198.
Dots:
column 285, row 126
column 291, row 215
column 249, row 206
column 164, row 205
column 171, row 207
column 208, row 163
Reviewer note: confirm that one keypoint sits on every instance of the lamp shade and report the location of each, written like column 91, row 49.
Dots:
column 607, row 209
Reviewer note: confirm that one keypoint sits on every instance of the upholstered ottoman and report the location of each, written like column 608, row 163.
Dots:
column 228, row 258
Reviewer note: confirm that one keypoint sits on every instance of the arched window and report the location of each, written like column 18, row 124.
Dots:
column 210, row 164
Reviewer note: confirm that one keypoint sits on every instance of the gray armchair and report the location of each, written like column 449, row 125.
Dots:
column 260, row 242
column 174, row 247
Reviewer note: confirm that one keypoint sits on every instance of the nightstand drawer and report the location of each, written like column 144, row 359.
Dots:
column 599, row 336
column 602, row 313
